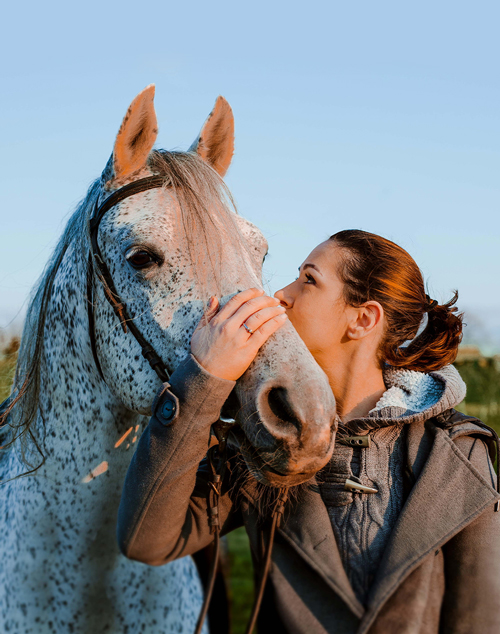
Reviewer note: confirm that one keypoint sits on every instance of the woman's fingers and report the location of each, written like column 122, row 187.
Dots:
column 235, row 302
column 255, row 320
column 253, row 308
column 223, row 346
column 254, row 312
column 268, row 328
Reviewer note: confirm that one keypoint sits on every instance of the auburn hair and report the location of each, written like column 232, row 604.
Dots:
column 375, row 269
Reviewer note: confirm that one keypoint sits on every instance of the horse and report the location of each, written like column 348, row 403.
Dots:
column 83, row 391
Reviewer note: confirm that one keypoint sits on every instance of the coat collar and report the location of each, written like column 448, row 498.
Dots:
column 449, row 494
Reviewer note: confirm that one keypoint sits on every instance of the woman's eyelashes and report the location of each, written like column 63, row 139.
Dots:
column 309, row 279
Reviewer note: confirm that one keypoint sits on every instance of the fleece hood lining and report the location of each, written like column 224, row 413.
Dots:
column 412, row 397
column 410, row 390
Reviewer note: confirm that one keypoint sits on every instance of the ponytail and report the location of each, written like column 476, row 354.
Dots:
column 437, row 344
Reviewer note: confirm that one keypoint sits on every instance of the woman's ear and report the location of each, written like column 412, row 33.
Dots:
column 369, row 319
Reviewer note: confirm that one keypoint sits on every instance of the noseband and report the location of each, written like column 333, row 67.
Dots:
column 98, row 266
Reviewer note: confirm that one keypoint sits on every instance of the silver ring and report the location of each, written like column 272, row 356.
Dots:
column 249, row 330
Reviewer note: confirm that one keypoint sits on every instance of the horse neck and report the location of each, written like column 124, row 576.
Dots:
column 73, row 396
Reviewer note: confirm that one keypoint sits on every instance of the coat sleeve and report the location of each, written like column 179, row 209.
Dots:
column 163, row 510
column 472, row 562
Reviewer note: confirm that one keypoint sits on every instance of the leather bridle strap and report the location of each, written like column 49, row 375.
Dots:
column 217, row 460
column 101, row 270
column 276, row 517
column 142, row 185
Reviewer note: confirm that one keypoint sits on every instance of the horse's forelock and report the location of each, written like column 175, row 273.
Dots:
column 207, row 212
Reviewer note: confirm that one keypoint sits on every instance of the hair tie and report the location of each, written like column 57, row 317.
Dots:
column 431, row 304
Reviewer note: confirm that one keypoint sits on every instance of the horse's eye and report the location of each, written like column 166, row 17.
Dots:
column 140, row 259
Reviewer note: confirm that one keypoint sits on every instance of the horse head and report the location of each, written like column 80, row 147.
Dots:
column 169, row 249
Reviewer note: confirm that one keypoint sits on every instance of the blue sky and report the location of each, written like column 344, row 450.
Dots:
column 381, row 116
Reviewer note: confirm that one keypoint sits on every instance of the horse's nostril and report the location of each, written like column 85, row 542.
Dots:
column 231, row 406
column 282, row 408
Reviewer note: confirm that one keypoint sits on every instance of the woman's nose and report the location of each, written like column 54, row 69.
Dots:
column 284, row 297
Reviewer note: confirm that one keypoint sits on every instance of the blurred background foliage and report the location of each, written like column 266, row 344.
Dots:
column 8, row 356
column 482, row 376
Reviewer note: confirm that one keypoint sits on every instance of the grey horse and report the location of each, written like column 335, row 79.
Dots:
column 69, row 430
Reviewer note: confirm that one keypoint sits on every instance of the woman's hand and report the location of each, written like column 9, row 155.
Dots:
column 222, row 344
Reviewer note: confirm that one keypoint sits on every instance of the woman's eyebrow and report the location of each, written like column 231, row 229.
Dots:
column 309, row 265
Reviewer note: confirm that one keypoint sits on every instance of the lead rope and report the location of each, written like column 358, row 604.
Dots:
column 276, row 522
column 217, row 460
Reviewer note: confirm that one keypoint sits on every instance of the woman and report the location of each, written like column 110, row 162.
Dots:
column 398, row 534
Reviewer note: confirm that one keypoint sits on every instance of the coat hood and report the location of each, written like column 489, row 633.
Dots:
column 412, row 397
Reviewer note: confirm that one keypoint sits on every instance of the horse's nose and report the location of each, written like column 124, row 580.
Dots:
column 289, row 430
column 281, row 406
column 286, row 412
column 301, row 418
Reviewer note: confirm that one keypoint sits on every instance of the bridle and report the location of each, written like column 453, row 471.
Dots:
column 102, row 272
column 217, row 455
column 217, row 461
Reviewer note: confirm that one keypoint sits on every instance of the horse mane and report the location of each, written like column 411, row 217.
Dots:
column 25, row 392
column 199, row 190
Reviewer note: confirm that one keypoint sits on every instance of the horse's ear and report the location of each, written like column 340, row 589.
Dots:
column 215, row 143
column 136, row 137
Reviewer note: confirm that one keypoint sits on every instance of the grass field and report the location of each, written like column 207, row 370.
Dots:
column 8, row 358
column 483, row 401
column 241, row 580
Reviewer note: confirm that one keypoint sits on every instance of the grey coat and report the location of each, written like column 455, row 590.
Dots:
column 440, row 570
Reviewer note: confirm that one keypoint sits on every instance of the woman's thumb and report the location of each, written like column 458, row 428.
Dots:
column 210, row 312
column 212, row 308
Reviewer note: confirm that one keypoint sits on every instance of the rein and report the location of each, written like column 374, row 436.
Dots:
column 217, row 460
